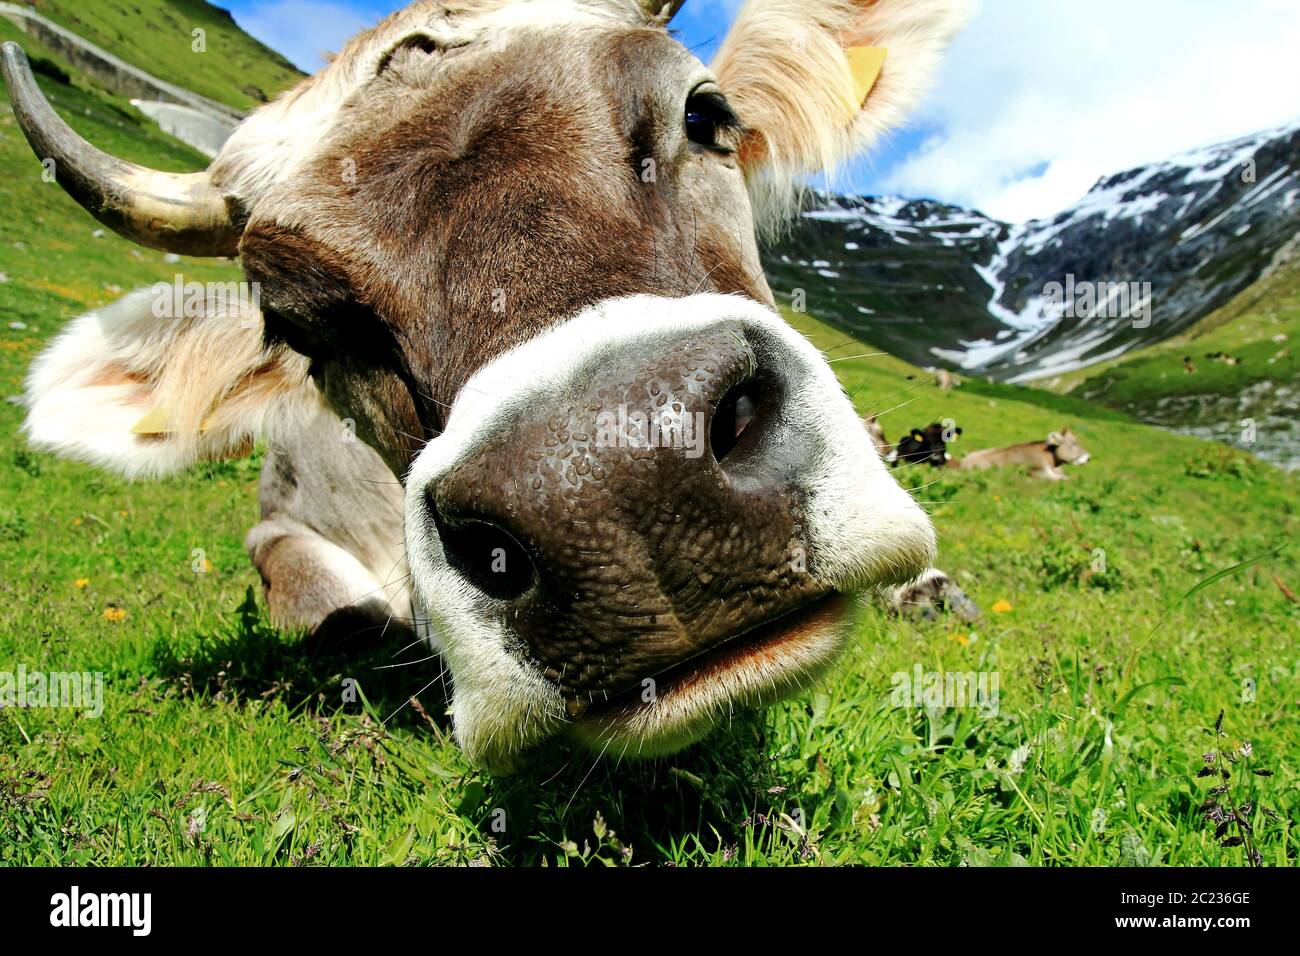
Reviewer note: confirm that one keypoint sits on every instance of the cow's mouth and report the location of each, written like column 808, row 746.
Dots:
column 757, row 667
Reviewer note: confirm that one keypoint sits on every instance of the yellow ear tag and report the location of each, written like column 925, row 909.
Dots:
column 154, row 423
column 158, row 421
column 865, row 63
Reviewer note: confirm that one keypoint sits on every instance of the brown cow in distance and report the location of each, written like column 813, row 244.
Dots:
column 1043, row 458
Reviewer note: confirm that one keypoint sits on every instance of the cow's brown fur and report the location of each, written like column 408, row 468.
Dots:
column 402, row 284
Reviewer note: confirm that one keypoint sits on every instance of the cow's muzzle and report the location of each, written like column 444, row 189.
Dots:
column 642, row 518
column 637, row 511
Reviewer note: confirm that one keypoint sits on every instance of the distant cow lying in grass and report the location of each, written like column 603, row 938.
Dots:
column 934, row 591
column 1044, row 458
column 1223, row 357
column 925, row 445
column 919, row 445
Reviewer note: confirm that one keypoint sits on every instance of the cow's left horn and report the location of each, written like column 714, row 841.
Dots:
column 173, row 212
column 661, row 11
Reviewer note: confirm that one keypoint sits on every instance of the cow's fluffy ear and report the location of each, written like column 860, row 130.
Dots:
column 149, row 385
column 1055, row 438
column 797, row 72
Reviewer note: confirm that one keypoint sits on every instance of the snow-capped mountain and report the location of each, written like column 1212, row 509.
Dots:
column 1142, row 256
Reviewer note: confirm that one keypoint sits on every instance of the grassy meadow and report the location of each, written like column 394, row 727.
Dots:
column 163, row 37
column 225, row 742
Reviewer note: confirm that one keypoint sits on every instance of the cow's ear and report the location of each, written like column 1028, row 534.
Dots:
column 161, row 379
column 1054, row 438
column 918, row 435
column 816, row 81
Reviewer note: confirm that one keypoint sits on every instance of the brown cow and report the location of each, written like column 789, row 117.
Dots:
column 509, row 331
column 1044, row 458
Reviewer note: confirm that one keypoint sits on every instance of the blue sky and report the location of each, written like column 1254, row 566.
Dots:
column 1036, row 101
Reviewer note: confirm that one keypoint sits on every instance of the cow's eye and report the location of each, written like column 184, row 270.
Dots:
column 711, row 122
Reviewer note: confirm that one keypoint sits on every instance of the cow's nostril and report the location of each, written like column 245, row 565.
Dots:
column 735, row 413
column 487, row 556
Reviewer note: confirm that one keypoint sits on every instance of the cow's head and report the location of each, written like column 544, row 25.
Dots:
column 928, row 445
column 1066, row 449
column 514, row 242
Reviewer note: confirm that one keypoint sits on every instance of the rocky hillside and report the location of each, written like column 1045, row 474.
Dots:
column 938, row 284
column 899, row 273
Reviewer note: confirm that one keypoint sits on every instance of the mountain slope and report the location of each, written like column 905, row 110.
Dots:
column 158, row 36
column 939, row 284
column 899, row 273
column 1241, row 385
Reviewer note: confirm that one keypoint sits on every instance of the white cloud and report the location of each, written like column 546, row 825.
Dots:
column 304, row 30
column 1040, row 99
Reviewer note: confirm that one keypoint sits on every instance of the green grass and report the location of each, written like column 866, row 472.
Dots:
column 225, row 742
column 158, row 36
column 54, row 263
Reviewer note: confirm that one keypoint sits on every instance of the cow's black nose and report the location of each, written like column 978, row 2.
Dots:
column 640, row 518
